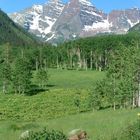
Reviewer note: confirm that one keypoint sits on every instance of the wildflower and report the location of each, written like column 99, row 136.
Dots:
column 138, row 114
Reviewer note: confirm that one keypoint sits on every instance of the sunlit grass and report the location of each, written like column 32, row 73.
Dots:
column 99, row 124
column 74, row 78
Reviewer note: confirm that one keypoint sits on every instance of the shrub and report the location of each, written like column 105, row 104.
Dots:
column 132, row 132
column 47, row 135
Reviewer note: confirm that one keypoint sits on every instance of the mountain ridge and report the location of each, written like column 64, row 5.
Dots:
column 13, row 34
column 56, row 22
column 135, row 28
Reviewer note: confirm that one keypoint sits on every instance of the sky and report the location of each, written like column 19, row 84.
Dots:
column 10, row 6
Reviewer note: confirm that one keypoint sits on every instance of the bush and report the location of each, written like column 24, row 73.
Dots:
column 47, row 135
column 132, row 132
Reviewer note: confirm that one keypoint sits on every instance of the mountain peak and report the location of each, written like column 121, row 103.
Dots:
column 55, row 21
column 37, row 8
column 54, row 1
column 86, row 2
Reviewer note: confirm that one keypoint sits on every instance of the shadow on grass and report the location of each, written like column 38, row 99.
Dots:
column 36, row 90
column 51, row 85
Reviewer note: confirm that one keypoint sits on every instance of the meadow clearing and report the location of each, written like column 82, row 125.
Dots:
column 57, row 108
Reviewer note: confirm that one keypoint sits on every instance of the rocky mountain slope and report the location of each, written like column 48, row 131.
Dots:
column 55, row 21
column 135, row 28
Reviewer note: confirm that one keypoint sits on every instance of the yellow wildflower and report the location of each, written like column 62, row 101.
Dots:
column 138, row 114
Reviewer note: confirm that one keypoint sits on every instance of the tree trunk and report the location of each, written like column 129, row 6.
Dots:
column 23, row 91
column 105, row 61
column 40, row 59
column 57, row 62
column 86, row 64
column 133, row 101
column 100, row 63
column 15, row 90
column 100, row 68
column 4, row 87
column 124, row 104
column 91, row 60
column 139, row 96
column 36, row 64
column 96, row 65
column 79, row 59
column 114, row 106
column 19, row 89
column 45, row 64
column 114, row 90
column 71, row 63
column 65, row 65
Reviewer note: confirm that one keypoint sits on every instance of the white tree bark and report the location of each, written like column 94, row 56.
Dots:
column 91, row 60
column 139, row 96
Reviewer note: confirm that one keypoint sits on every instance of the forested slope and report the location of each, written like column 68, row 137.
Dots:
column 135, row 28
column 12, row 33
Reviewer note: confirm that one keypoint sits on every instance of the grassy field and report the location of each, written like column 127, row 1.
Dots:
column 73, row 79
column 56, row 108
column 100, row 124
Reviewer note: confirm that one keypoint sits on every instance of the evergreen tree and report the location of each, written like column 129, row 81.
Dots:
column 5, row 76
column 21, row 76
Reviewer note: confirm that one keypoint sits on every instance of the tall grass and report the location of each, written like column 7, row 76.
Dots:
column 99, row 125
column 19, row 113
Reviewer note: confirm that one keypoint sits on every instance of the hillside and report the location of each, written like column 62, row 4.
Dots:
column 136, row 28
column 14, row 34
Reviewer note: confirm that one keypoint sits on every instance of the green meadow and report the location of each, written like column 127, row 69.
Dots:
column 99, row 125
column 73, row 79
column 56, row 108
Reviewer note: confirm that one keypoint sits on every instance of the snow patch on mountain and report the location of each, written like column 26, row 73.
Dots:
column 103, row 26
column 91, row 13
column 18, row 18
column 131, row 23
column 38, row 8
column 86, row 2
column 52, row 36
column 55, row 21
column 50, row 22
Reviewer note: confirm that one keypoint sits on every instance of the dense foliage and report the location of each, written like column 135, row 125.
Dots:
column 131, row 132
column 47, row 105
column 120, row 89
column 44, row 135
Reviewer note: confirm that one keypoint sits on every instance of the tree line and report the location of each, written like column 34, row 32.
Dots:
column 89, row 53
column 117, row 55
column 121, row 87
column 16, row 71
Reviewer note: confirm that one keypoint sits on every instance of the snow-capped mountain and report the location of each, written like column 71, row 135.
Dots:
column 39, row 19
column 77, row 17
column 123, row 20
column 55, row 21
column 28, row 17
